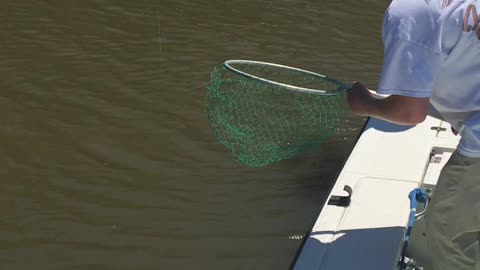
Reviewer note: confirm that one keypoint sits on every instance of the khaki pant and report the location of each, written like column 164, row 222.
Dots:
column 453, row 217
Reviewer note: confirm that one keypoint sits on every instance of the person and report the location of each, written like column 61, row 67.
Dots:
column 431, row 58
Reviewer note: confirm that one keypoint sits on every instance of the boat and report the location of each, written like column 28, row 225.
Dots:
column 364, row 222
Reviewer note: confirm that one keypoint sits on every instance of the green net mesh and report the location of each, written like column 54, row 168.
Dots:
column 263, row 123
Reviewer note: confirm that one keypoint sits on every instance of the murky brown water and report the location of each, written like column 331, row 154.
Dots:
column 107, row 158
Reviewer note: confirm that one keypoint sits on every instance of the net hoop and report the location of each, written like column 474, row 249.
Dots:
column 342, row 87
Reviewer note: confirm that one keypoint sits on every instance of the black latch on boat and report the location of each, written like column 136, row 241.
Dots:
column 342, row 201
column 438, row 129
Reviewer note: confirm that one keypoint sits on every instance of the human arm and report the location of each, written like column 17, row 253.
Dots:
column 402, row 110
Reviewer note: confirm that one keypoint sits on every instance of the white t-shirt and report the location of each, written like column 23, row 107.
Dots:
column 432, row 49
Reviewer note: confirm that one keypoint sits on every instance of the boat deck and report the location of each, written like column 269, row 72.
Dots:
column 387, row 163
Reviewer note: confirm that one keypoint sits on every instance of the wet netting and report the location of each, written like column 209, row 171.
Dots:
column 266, row 112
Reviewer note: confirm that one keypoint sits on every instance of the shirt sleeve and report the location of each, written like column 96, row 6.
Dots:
column 409, row 69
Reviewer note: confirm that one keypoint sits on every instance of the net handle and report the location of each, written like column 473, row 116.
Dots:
column 342, row 87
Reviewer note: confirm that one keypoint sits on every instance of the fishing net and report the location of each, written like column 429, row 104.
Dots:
column 266, row 112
